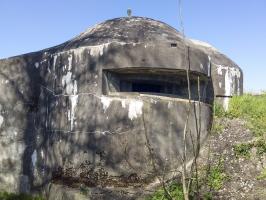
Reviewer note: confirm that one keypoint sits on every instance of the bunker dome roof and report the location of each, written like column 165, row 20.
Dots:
column 139, row 30
column 125, row 30
column 216, row 56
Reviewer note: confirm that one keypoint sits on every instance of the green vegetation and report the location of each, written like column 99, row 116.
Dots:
column 12, row 196
column 253, row 109
column 218, row 111
column 243, row 150
column 175, row 190
column 215, row 176
column 211, row 179
column 262, row 176
column 249, row 107
column 261, row 146
column 84, row 189
column 217, row 127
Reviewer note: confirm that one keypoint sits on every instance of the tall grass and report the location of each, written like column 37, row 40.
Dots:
column 253, row 109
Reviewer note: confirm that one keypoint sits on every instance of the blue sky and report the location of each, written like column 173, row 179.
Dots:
column 236, row 27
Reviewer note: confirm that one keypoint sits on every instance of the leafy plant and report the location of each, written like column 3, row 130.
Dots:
column 243, row 149
column 216, row 179
column 216, row 176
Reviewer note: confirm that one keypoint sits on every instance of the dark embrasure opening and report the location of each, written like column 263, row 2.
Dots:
column 146, row 87
column 156, row 82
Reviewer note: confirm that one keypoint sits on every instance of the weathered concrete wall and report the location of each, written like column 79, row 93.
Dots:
column 57, row 124
column 227, row 76
column 18, row 100
column 81, row 127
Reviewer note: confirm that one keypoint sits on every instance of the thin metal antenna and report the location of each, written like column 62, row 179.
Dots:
column 129, row 12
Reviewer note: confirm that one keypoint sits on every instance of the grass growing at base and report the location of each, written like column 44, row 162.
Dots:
column 13, row 196
column 218, row 110
column 216, row 177
column 217, row 128
column 175, row 190
column 253, row 110
column 210, row 180
column 243, row 150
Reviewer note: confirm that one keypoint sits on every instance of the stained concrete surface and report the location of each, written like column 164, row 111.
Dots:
column 57, row 122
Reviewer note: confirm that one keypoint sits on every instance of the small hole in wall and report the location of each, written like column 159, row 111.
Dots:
column 173, row 45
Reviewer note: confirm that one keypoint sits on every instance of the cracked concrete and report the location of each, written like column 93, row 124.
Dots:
column 64, row 107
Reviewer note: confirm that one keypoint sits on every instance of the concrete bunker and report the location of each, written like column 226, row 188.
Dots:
column 89, row 111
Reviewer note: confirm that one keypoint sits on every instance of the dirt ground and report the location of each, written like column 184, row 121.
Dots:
column 241, row 173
